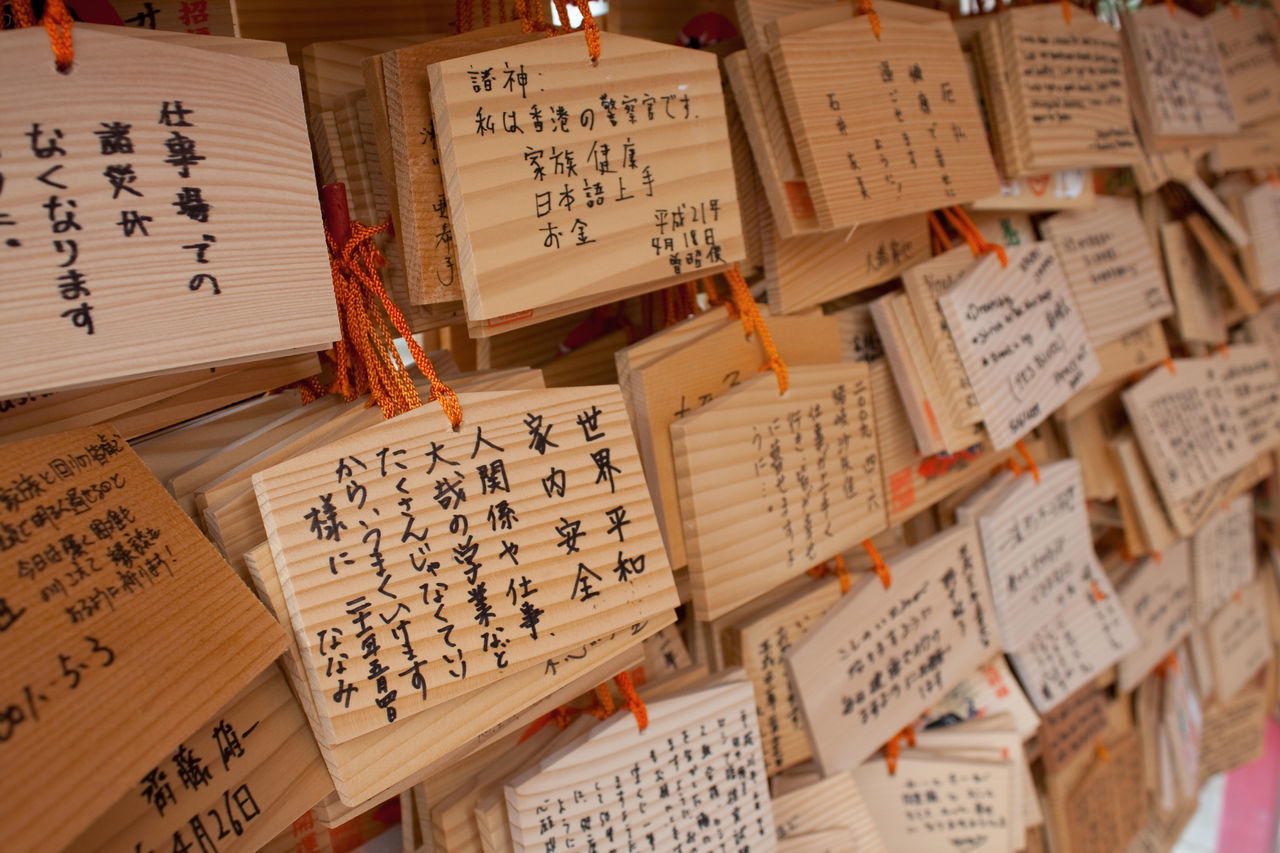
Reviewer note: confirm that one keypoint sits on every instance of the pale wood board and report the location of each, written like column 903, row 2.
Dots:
column 1234, row 731
column 1086, row 438
column 854, row 694
column 1256, row 147
column 1262, row 218
column 756, row 637
column 1200, row 313
column 1158, row 599
column 834, row 64
column 668, row 387
column 1182, row 93
column 809, row 269
column 1083, row 640
column 1132, row 353
column 1222, row 556
column 1239, row 642
column 257, row 752
column 1253, row 383
column 262, row 207
column 193, row 640
column 1223, row 262
column 1111, row 267
column 503, row 258
column 1189, row 433
column 716, row 715
column 302, row 547
column 162, row 18
column 1133, row 474
column 372, row 767
column 422, row 212
column 957, row 785
column 1021, row 339
column 331, row 69
column 1246, row 44
column 739, row 520
column 832, row 805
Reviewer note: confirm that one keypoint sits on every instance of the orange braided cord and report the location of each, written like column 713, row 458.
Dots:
column 753, row 322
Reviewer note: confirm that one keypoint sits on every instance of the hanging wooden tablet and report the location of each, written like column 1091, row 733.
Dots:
column 832, row 807
column 1234, row 731
column 372, row 767
column 1111, row 267
column 1106, row 808
column 1200, row 312
column 1037, row 549
column 924, row 284
column 561, row 518
column 1222, row 556
column 1060, row 90
column 881, row 657
column 1087, row 636
column 937, row 805
column 1021, row 339
column 109, row 586
column 238, row 780
column 1157, row 598
column 1186, row 426
column 212, row 17
column 1246, row 46
column 1253, row 383
column 1072, row 726
column 676, row 384
column 1132, row 353
column 1262, row 218
column 706, row 737
column 541, row 212
column 990, row 691
column 806, row 270
column 771, row 485
column 163, row 242
column 885, row 126
column 758, row 643
column 1182, row 91
column 1239, row 643
column 1256, row 147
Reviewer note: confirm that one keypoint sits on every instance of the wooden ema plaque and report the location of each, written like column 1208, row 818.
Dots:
column 144, row 233
column 114, row 609
column 568, row 180
column 1239, row 641
column 421, row 563
column 880, row 657
column 884, row 126
column 771, row 485
column 1222, row 556
column 1157, row 598
column 1058, row 95
column 697, row 767
column 1112, row 268
column 235, row 783
column 1246, row 43
column 1184, row 95
column 1021, row 339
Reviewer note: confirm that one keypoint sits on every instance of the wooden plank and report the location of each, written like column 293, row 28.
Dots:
column 246, row 774
column 879, row 166
column 809, row 269
column 115, row 312
column 1246, row 47
column 1111, row 267
column 670, row 149
column 1222, row 556
column 853, row 696
column 1200, row 312
column 85, row 647
column 1262, row 218
column 1239, row 644
column 1158, row 599
column 331, row 69
column 743, row 516
column 580, row 482
column 1021, row 339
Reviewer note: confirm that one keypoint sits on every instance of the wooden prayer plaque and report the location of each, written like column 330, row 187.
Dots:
column 147, row 234
column 1189, row 432
column 885, row 126
column 1157, row 598
column 1239, row 643
column 772, row 484
column 1222, row 556
column 1183, row 89
column 568, row 180
column 1021, row 338
column 461, row 557
column 238, row 780
column 881, row 657
column 1262, row 218
column 1246, row 43
column 115, row 609
column 1072, row 726
column 1111, row 266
